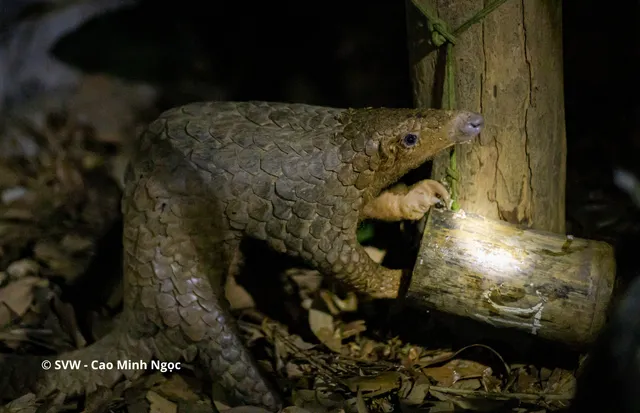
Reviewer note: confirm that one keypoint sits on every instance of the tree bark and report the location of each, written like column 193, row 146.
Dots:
column 509, row 68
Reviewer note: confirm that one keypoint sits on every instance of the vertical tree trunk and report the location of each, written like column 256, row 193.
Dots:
column 509, row 68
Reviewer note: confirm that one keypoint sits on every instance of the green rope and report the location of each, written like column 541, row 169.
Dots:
column 439, row 36
column 479, row 16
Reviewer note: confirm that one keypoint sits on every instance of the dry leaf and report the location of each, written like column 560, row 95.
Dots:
column 177, row 388
column 18, row 295
column 159, row 404
column 472, row 402
column 25, row 404
column 58, row 261
column 6, row 316
column 527, row 381
column 23, row 268
column 301, row 344
column 468, row 384
column 561, row 382
column 98, row 401
column 337, row 305
column 199, row 406
column 293, row 371
column 54, row 405
column 317, row 401
column 454, row 371
column 294, row 409
column 327, row 298
column 442, row 375
column 376, row 254
column 153, row 380
column 18, row 214
column 418, row 392
column 309, row 281
column 238, row 297
column 322, row 326
column 13, row 194
column 9, row 177
column 377, row 385
column 353, row 328
column 490, row 382
column 67, row 316
column 361, row 406
column 138, row 406
column 246, row 409
column 219, row 406
column 441, row 407
column 73, row 243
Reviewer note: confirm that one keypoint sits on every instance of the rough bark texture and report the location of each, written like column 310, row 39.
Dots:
column 497, row 273
column 509, row 68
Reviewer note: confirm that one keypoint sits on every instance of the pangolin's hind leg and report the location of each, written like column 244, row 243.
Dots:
column 178, row 250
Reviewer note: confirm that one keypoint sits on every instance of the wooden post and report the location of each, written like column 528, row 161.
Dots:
column 509, row 68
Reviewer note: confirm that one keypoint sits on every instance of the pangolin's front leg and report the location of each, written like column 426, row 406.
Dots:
column 406, row 203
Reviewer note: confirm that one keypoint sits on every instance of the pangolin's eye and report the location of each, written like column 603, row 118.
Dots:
column 410, row 139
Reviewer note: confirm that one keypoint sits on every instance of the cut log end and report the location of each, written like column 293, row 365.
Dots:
column 545, row 284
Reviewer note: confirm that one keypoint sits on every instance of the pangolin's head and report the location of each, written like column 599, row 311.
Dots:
column 399, row 140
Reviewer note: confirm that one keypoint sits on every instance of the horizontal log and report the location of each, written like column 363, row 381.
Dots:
column 550, row 285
